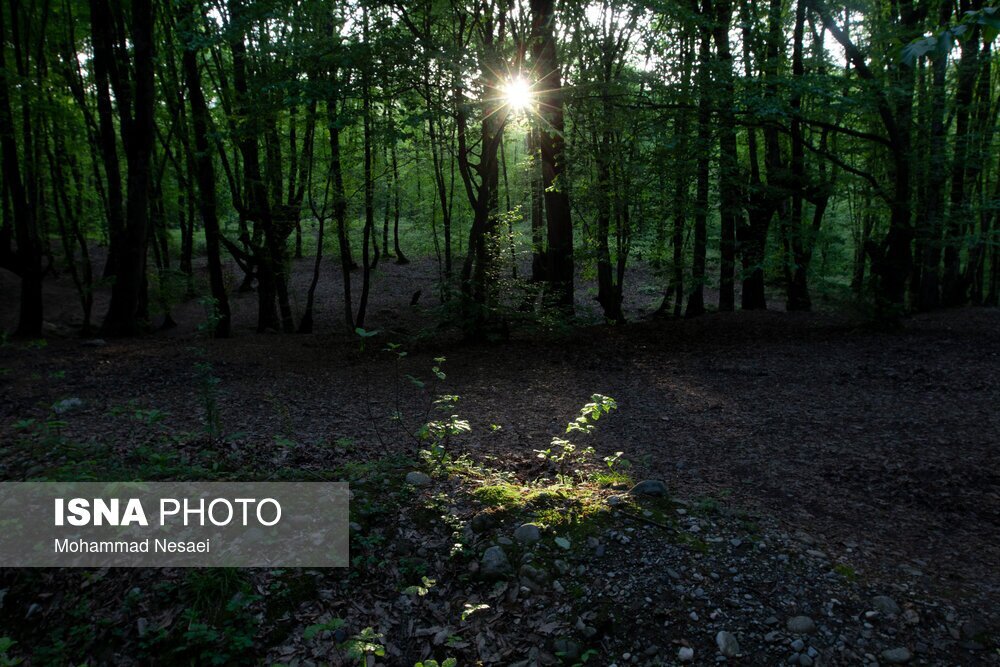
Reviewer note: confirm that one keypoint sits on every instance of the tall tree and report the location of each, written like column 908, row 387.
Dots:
column 127, row 311
column 551, row 144
column 200, row 123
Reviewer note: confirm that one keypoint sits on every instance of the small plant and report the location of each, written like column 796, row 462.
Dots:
column 448, row 662
column 563, row 452
column 212, row 315
column 365, row 643
column 5, row 660
column 208, row 389
column 149, row 416
column 471, row 609
column 421, row 589
column 438, row 432
column 312, row 631
column 365, row 335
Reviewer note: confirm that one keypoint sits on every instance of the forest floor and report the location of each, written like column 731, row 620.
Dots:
column 815, row 468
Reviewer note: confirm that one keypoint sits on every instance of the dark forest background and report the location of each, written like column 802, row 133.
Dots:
column 765, row 152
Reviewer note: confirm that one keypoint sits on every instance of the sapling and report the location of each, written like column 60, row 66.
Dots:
column 563, row 452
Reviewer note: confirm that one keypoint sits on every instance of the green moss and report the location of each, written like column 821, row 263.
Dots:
column 612, row 479
column 500, row 495
column 846, row 571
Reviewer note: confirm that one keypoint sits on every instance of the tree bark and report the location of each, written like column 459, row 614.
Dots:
column 559, row 253
column 200, row 123
column 126, row 314
column 696, row 298
column 26, row 262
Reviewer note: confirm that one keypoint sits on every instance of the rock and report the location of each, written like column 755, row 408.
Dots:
column 142, row 626
column 800, row 625
column 527, row 533
column 535, row 574
column 897, row 656
column 911, row 617
column 532, row 580
column 685, row 654
column 505, row 541
column 805, row 660
column 483, row 522
column 798, row 646
column 417, row 478
column 885, row 605
column 67, row 405
column 494, row 564
column 975, row 629
column 614, row 501
column 728, row 646
column 94, row 342
column 650, row 487
column 567, row 649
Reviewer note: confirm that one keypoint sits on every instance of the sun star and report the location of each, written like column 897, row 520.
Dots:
column 517, row 94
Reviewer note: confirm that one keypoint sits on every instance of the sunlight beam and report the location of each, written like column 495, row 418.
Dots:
column 517, row 94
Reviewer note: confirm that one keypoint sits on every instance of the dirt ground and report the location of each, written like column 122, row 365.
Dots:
column 881, row 446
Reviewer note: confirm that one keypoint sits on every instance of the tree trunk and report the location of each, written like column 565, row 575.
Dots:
column 128, row 292
column 954, row 288
column 369, row 229
column 729, row 185
column 696, row 299
column 931, row 214
column 26, row 262
column 559, row 253
column 200, row 123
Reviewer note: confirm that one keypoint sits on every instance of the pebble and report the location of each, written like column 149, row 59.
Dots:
column 494, row 564
column 67, row 405
column 885, row 605
column 650, row 487
column 685, row 654
column 417, row 478
column 483, row 522
column 527, row 533
column 801, row 625
column 728, row 646
column 798, row 645
column 897, row 656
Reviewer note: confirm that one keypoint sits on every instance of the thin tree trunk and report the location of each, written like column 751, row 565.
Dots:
column 128, row 292
column 368, row 232
column 729, row 185
column 26, row 261
column 696, row 299
column 200, row 123
column 559, row 252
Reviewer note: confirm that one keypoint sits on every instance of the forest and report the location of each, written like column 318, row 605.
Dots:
column 400, row 243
